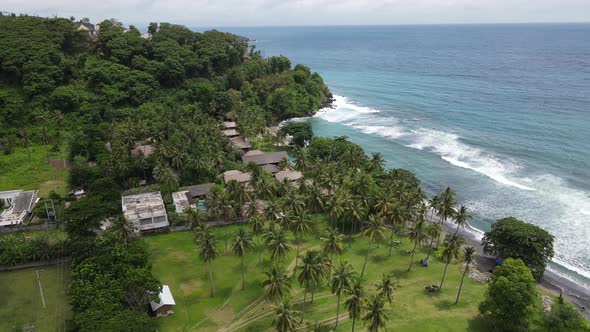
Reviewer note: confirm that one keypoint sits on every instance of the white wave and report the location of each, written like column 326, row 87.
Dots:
column 452, row 150
column 344, row 110
column 393, row 132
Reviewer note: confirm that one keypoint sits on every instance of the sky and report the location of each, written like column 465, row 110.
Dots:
column 219, row 13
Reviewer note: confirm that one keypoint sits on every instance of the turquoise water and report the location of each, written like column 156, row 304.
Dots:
column 501, row 113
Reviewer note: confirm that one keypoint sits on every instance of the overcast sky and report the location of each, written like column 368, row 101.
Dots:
column 196, row 13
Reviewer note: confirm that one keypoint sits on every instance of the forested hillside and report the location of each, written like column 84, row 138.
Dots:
column 98, row 96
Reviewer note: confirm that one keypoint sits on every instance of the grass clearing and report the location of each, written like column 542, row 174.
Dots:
column 22, row 306
column 175, row 262
column 17, row 172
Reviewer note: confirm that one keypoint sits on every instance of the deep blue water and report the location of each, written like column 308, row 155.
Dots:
column 499, row 112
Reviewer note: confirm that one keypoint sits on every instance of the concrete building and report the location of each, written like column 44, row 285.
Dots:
column 145, row 212
column 17, row 206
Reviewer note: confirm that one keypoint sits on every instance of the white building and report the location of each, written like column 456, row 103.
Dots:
column 165, row 304
column 145, row 211
column 18, row 205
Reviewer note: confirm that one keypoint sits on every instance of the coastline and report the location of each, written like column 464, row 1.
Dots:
column 552, row 282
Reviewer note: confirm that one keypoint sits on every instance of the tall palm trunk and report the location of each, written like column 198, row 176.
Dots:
column 297, row 256
column 259, row 249
column 330, row 267
column 390, row 242
column 430, row 247
column 444, row 274
column 337, row 310
column 461, row 284
column 350, row 235
column 225, row 234
column 210, row 282
column 304, row 299
column 353, row 321
column 412, row 258
column 457, row 230
column 366, row 257
column 243, row 278
column 442, row 221
column 312, row 293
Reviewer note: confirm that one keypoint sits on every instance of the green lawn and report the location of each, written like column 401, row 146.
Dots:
column 175, row 262
column 21, row 300
column 17, row 172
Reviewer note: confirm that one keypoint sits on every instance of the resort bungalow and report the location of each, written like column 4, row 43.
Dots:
column 145, row 150
column 241, row 143
column 16, row 206
column 166, row 301
column 271, row 168
column 262, row 159
column 229, row 125
column 192, row 197
column 230, row 133
column 236, row 175
column 146, row 212
column 288, row 175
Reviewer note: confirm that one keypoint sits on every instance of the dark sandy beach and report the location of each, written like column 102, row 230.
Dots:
column 576, row 294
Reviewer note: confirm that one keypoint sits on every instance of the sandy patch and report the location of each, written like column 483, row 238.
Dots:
column 190, row 287
column 223, row 316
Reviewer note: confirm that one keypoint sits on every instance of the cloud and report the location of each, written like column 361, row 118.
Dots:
column 310, row 12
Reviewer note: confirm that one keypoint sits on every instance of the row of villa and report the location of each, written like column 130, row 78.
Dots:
column 147, row 211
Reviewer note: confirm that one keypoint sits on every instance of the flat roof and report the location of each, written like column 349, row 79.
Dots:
column 141, row 206
column 230, row 132
column 229, row 124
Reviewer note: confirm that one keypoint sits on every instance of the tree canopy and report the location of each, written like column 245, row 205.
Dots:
column 513, row 238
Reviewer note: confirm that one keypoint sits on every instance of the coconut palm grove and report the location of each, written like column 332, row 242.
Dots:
column 253, row 223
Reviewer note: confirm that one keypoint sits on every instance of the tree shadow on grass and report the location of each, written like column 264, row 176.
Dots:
column 444, row 304
column 478, row 324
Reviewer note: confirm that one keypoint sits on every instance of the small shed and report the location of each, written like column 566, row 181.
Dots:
column 165, row 304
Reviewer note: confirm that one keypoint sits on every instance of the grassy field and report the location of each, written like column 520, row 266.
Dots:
column 175, row 262
column 17, row 172
column 22, row 306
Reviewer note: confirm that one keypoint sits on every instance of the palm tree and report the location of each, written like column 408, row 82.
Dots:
column 315, row 200
column 300, row 226
column 312, row 272
column 377, row 162
column 446, row 207
column 375, row 313
column 433, row 204
column 285, row 316
column 336, row 206
column 341, row 280
column 257, row 227
column 468, row 257
column 417, row 234
column 434, row 231
column 451, row 250
column 278, row 245
column 385, row 287
column 333, row 245
column 355, row 300
column 241, row 246
column 374, row 230
column 208, row 252
column 276, row 284
column 356, row 213
column 461, row 218
column 397, row 217
column 227, row 209
column 122, row 230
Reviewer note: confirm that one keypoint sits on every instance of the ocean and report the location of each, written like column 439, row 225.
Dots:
column 501, row 113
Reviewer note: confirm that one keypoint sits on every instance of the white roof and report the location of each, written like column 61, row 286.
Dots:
column 165, row 298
